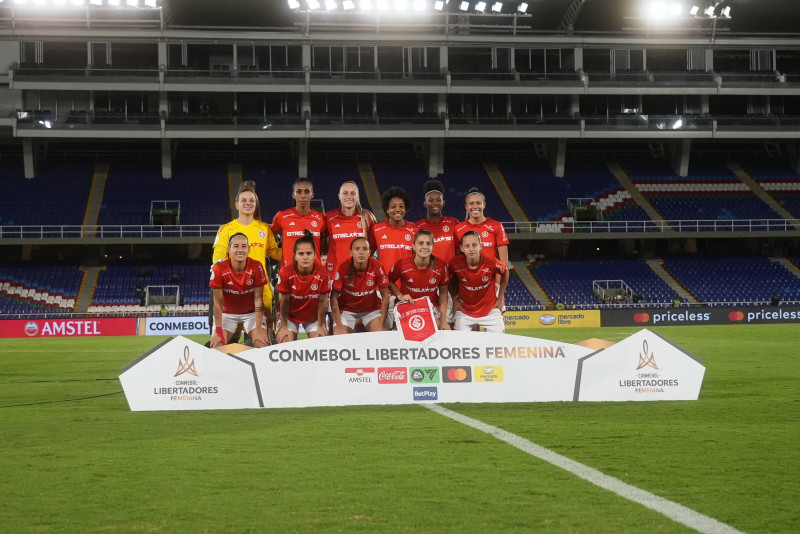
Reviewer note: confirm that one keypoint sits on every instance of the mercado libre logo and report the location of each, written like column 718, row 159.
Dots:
column 647, row 358
column 736, row 316
column 489, row 373
column 456, row 374
column 187, row 365
column 641, row 317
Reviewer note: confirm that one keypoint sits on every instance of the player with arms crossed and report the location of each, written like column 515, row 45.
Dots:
column 360, row 291
column 292, row 223
column 303, row 293
column 238, row 285
column 422, row 275
column 473, row 288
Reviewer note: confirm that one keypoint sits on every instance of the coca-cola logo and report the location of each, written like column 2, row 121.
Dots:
column 392, row 375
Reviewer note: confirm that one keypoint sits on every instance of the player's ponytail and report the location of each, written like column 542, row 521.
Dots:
column 308, row 238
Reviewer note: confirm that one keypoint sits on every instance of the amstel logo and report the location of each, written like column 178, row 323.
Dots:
column 646, row 358
column 186, row 366
column 31, row 328
column 736, row 316
column 641, row 317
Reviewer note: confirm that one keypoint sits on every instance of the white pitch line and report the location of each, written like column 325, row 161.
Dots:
column 676, row 512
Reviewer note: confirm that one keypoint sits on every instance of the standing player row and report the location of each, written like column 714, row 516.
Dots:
column 392, row 240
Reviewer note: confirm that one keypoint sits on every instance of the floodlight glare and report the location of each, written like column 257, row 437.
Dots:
column 39, row 2
column 693, row 12
column 497, row 7
column 438, row 5
column 480, row 7
column 22, row 2
column 726, row 12
column 383, row 5
column 330, row 5
column 709, row 12
column 675, row 9
column 464, row 6
column 348, row 5
column 678, row 124
column 96, row 2
column 523, row 7
column 294, row 4
column 59, row 3
column 313, row 4
column 419, row 5
column 132, row 3
column 657, row 10
column 79, row 3
column 366, row 5
column 114, row 3
column 400, row 5
column 151, row 3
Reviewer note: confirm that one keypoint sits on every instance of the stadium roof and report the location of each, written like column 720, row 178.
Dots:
column 747, row 16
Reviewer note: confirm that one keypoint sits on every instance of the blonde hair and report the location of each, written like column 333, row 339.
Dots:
column 367, row 218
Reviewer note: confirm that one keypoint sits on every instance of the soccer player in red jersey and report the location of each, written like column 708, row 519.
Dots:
column 303, row 288
column 392, row 238
column 356, row 290
column 472, row 286
column 492, row 234
column 291, row 223
column 422, row 275
column 238, row 285
column 344, row 224
column 442, row 226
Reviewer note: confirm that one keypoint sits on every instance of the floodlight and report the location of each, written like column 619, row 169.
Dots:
column 313, row 4
column 96, row 2
column 400, row 5
column 79, row 3
column 59, row 3
column 438, row 5
column 693, row 12
column 726, row 12
column 366, row 5
column 23, row 2
column 115, row 3
column 657, row 10
column 523, row 7
column 133, row 3
column 348, row 5
column 330, row 5
column 675, row 9
column 678, row 124
column 480, row 7
column 709, row 11
column 419, row 5
column 39, row 2
column 383, row 5
column 497, row 7
column 464, row 6
column 294, row 4
column 151, row 3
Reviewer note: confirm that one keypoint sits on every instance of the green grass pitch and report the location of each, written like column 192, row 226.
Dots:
column 73, row 458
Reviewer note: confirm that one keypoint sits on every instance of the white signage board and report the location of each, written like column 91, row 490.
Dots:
column 180, row 374
column 383, row 368
column 642, row 367
column 180, row 325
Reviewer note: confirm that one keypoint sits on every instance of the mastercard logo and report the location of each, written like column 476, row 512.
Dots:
column 736, row 316
column 641, row 317
column 456, row 374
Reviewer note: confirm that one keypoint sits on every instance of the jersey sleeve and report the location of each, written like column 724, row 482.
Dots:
column 373, row 243
column 216, row 277
column 261, row 275
column 283, row 281
column 383, row 280
column 501, row 235
column 276, row 224
column 499, row 268
column 272, row 250
column 394, row 272
column 221, row 244
column 337, row 281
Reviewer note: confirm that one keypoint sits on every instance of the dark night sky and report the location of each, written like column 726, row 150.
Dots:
column 773, row 16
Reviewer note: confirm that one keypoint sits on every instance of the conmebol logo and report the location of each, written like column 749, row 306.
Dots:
column 547, row 319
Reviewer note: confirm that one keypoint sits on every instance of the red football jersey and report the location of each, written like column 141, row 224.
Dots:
column 391, row 242
column 360, row 295
column 420, row 282
column 304, row 290
column 290, row 225
column 237, row 288
column 476, row 287
column 492, row 234
column 342, row 229
column 444, row 236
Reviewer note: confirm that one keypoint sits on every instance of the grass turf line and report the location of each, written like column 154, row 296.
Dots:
column 92, row 465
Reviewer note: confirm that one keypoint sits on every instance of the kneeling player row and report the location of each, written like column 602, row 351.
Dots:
column 359, row 291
